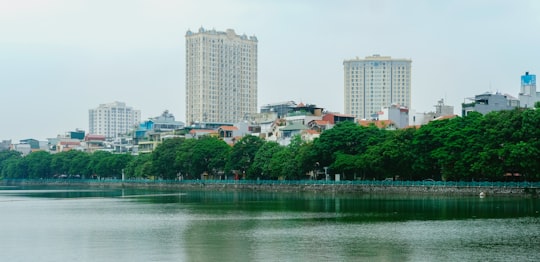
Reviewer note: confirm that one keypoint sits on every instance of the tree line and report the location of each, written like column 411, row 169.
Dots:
column 497, row 146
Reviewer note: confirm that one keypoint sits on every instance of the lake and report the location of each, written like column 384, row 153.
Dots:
column 113, row 224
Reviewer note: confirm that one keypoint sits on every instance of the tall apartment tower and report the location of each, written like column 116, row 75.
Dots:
column 113, row 119
column 376, row 82
column 221, row 76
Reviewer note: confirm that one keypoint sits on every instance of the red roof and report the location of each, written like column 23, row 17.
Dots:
column 228, row 128
column 321, row 122
column 311, row 132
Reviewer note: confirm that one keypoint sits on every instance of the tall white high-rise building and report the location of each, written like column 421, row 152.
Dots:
column 113, row 119
column 376, row 82
column 221, row 76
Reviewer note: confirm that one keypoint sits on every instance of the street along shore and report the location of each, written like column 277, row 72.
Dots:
column 482, row 189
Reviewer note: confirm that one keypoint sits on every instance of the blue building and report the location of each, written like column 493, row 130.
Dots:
column 527, row 93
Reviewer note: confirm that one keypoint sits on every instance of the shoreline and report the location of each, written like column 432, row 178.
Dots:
column 298, row 186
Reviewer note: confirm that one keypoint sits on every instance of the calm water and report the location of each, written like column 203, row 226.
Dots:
column 39, row 224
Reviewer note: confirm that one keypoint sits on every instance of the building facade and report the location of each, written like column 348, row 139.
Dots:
column 113, row 119
column 374, row 83
column 281, row 108
column 489, row 102
column 221, row 76
column 527, row 93
column 399, row 115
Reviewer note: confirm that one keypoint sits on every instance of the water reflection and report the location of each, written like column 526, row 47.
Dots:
column 103, row 224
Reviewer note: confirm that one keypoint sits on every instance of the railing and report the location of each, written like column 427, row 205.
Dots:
column 524, row 184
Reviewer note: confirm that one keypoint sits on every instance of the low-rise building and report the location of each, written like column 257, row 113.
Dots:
column 489, row 102
column 398, row 115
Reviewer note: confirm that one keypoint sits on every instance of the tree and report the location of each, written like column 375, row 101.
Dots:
column 206, row 155
column 242, row 155
column 262, row 163
column 164, row 163
column 346, row 164
column 391, row 157
column 346, row 137
column 5, row 158
column 38, row 165
column 139, row 167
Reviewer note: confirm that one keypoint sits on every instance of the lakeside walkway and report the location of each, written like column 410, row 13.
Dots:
column 323, row 186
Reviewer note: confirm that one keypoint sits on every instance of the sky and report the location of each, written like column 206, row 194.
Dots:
column 60, row 58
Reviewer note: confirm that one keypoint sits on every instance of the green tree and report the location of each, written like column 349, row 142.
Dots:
column 101, row 164
column 206, row 155
column 5, row 158
column 38, row 165
column 242, row 156
column 139, row 167
column 164, row 162
column 391, row 157
column 262, row 163
column 346, row 137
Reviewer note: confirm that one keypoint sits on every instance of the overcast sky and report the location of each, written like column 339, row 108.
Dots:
column 60, row 58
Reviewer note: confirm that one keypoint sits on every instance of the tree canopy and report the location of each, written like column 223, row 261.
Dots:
column 497, row 146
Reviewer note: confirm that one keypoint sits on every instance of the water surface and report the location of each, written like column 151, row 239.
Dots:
column 89, row 224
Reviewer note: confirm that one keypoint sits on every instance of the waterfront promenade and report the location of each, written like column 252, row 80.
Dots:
column 318, row 186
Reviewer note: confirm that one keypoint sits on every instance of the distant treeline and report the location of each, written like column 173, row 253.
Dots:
column 498, row 146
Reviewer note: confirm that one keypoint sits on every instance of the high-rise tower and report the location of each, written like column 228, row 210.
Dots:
column 221, row 76
column 376, row 82
column 113, row 119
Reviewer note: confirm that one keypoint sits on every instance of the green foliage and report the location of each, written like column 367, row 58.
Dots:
column 5, row 158
column 206, row 155
column 262, row 162
column 164, row 164
column 242, row 156
column 348, row 138
column 475, row 147
column 139, row 167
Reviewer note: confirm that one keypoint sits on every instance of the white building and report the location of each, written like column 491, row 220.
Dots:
column 399, row 115
column 221, row 76
column 374, row 83
column 113, row 119
column 527, row 94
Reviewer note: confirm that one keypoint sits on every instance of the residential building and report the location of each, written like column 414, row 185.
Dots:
column 303, row 114
column 398, row 115
column 443, row 110
column 113, row 119
column 376, row 82
column 221, row 76
column 489, row 102
column 151, row 133
column 527, row 94
column 281, row 109
column 334, row 118
column 5, row 145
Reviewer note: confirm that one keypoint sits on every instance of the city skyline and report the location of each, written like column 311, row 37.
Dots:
column 60, row 58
